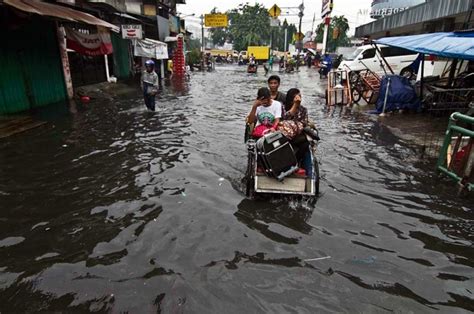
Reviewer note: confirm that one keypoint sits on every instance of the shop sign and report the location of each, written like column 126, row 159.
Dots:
column 149, row 9
column 377, row 13
column 174, row 24
column 327, row 7
column 216, row 20
column 132, row 31
column 274, row 22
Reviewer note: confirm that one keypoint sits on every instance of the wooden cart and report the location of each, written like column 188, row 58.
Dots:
column 339, row 89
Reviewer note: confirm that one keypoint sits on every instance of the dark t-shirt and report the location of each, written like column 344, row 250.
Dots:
column 281, row 97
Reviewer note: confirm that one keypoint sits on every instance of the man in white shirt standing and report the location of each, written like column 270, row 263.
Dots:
column 150, row 84
column 264, row 105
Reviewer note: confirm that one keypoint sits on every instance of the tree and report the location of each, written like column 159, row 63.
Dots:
column 279, row 35
column 250, row 26
column 337, row 35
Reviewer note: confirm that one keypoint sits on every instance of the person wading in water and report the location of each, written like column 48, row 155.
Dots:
column 149, row 83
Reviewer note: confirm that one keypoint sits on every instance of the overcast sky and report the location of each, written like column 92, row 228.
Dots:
column 356, row 11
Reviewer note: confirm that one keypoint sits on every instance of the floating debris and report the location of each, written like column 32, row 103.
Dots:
column 317, row 259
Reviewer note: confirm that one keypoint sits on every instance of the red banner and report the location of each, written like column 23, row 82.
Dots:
column 89, row 44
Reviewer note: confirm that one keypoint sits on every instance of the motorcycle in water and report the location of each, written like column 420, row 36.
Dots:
column 324, row 69
column 210, row 67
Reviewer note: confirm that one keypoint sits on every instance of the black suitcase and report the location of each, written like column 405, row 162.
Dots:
column 276, row 155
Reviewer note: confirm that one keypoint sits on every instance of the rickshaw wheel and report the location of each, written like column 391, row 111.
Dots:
column 318, row 178
column 354, row 77
column 250, row 184
column 356, row 95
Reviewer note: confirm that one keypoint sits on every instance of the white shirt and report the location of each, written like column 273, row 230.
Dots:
column 274, row 109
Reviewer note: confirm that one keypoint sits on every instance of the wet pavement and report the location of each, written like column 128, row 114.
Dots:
column 113, row 208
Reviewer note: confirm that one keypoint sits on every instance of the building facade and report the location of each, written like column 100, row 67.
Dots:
column 428, row 17
column 37, row 70
column 383, row 8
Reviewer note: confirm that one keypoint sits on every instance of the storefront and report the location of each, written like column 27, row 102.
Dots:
column 34, row 62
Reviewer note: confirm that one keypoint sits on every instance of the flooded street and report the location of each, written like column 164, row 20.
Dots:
column 117, row 209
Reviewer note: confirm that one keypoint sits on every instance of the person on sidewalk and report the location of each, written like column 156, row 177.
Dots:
column 150, row 84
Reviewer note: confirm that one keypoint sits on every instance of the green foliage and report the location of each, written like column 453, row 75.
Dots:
column 194, row 56
column 342, row 24
column 249, row 25
column 193, row 43
column 279, row 35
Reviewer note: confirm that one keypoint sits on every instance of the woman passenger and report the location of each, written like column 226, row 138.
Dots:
column 295, row 111
column 293, row 108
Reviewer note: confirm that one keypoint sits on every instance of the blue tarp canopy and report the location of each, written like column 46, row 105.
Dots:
column 458, row 45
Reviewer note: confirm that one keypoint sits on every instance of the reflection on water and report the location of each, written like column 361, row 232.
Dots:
column 113, row 208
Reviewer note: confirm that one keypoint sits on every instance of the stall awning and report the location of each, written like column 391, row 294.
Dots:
column 58, row 11
column 150, row 48
column 458, row 45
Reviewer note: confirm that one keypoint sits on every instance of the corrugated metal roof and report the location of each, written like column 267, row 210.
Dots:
column 58, row 11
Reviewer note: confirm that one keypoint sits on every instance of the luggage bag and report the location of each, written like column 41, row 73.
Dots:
column 276, row 155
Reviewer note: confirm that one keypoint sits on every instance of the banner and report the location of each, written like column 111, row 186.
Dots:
column 327, row 7
column 132, row 31
column 216, row 20
column 89, row 44
column 150, row 49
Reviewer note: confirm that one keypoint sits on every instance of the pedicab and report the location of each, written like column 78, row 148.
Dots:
column 252, row 68
column 272, row 167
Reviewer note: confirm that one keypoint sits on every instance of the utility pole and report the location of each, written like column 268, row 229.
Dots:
column 300, row 15
column 326, row 15
column 327, row 20
column 203, row 45
column 291, row 11
column 271, row 41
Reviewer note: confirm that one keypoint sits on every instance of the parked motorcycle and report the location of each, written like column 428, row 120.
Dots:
column 324, row 69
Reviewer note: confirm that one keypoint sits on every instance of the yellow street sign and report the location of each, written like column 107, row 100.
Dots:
column 216, row 20
column 274, row 11
column 298, row 36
